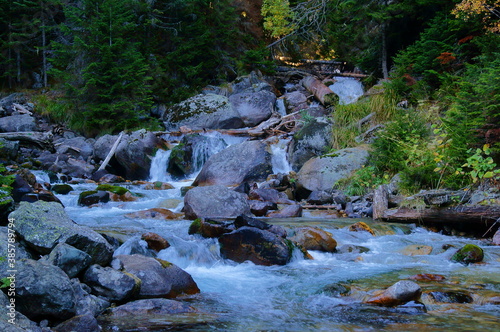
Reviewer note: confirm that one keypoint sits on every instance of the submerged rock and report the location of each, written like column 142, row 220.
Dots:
column 361, row 227
column 470, row 253
column 259, row 246
column 399, row 293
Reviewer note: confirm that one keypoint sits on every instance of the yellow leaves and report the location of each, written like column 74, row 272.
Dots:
column 277, row 17
column 469, row 8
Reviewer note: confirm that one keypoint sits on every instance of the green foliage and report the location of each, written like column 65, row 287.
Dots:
column 278, row 17
column 5, row 186
column 257, row 59
column 480, row 165
column 363, row 180
column 345, row 119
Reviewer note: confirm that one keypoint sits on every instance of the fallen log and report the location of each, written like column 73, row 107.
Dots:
column 40, row 139
column 111, row 153
column 320, row 91
column 476, row 215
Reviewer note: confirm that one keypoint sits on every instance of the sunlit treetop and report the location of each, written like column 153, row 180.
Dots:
column 488, row 9
column 278, row 17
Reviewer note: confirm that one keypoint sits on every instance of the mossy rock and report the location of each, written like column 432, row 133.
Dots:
column 195, row 227
column 470, row 253
column 91, row 197
column 62, row 189
column 114, row 189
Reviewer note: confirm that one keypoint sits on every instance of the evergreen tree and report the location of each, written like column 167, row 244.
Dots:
column 113, row 90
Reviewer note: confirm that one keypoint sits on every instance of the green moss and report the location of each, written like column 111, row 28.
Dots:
column 470, row 253
column 163, row 263
column 195, row 227
column 114, row 189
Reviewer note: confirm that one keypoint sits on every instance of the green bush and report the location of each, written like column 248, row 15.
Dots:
column 363, row 180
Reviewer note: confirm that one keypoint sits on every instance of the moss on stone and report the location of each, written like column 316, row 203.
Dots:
column 195, row 227
column 470, row 253
column 111, row 188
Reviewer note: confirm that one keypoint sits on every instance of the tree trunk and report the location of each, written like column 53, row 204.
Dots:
column 111, row 153
column 42, row 140
column 385, row 70
column 479, row 215
column 320, row 91
column 380, row 202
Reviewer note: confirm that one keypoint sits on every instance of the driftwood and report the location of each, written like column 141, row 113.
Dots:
column 111, row 153
column 40, row 139
column 479, row 215
column 380, row 202
column 320, row 91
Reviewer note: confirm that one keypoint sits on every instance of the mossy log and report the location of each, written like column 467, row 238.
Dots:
column 323, row 93
column 484, row 215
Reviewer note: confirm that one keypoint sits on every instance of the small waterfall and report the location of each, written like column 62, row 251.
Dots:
column 279, row 159
column 158, row 170
column 205, row 148
column 348, row 89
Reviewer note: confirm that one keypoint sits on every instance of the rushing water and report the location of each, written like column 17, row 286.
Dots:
column 300, row 296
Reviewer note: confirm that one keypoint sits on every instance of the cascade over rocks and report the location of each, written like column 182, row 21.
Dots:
column 43, row 225
column 134, row 154
column 247, row 161
column 321, row 173
column 214, row 202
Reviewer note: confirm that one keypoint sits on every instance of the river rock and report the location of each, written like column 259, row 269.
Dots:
column 16, row 123
column 135, row 245
column 203, row 111
column 9, row 149
column 44, row 224
column 470, row 253
column 214, row 202
column 78, row 147
column 289, row 211
column 417, row 250
column 313, row 238
column 295, row 101
column 256, row 245
column 61, row 188
column 361, row 227
column 84, row 323
column 247, row 161
column 312, row 140
column 69, row 259
column 450, row 297
column 20, row 252
column 401, row 292
column 496, row 238
column 260, row 209
column 192, row 152
column 269, row 195
column 86, row 303
column 159, row 278
column 76, row 168
column 102, row 146
column 20, row 187
column 111, row 284
column 253, row 107
column 134, row 154
column 43, row 291
column 210, row 228
column 150, row 307
column 154, row 213
column 88, row 198
column 22, row 323
column 155, row 241
column 320, row 197
column 321, row 173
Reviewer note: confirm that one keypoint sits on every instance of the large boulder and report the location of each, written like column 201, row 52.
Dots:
column 134, row 154
column 69, row 259
column 312, row 140
column 15, row 123
column 321, row 173
column 259, row 246
column 43, row 225
column 253, row 107
column 43, row 291
column 247, row 161
column 12, row 320
column 76, row 147
column 9, row 149
column 203, row 111
column 19, row 253
column 214, row 202
column 192, row 152
column 159, row 278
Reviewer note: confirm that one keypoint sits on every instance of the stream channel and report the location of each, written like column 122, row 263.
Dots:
column 304, row 294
